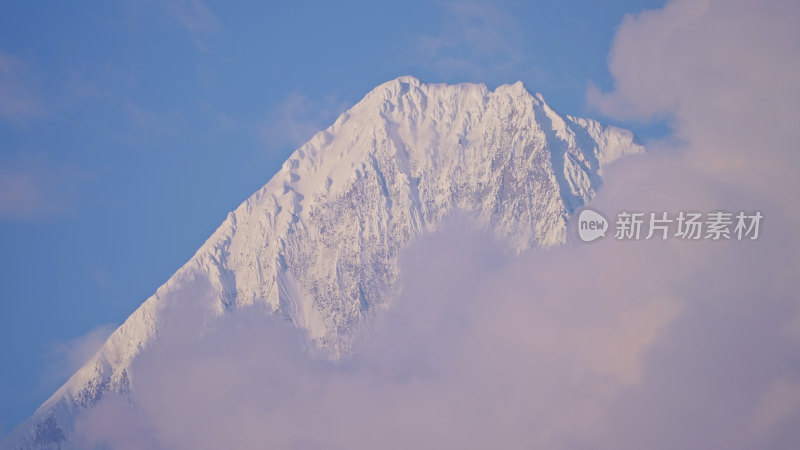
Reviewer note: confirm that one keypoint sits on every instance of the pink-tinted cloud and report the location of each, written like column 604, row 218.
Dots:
column 726, row 73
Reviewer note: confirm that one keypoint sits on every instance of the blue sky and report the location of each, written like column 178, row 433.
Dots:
column 129, row 129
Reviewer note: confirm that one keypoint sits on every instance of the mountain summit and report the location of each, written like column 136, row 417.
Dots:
column 319, row 243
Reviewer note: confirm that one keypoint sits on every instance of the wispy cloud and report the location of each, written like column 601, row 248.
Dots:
column 477, row 39
column 19, row 99
column 196, row 17
column 65, row 358
column 294, row 120
column 33, row 189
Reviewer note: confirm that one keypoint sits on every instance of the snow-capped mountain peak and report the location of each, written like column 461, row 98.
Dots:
column 318, row 244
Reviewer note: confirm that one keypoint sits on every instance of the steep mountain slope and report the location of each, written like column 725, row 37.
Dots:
column 319, row 242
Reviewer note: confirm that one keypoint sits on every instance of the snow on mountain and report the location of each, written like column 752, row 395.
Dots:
column 319, row 242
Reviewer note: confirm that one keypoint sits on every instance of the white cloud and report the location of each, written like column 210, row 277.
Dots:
column 473, row 355
column 606, row 345
column 725, row 73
